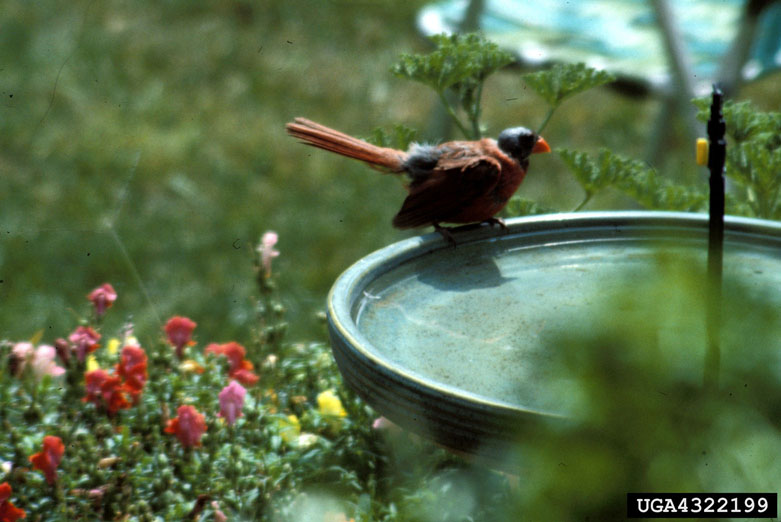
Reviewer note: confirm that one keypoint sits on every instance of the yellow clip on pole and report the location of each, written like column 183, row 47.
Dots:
column 702, row 151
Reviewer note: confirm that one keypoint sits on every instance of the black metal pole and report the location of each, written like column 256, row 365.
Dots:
column 717, row 151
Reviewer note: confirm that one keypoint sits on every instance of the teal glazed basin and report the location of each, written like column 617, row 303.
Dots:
column 448, row 342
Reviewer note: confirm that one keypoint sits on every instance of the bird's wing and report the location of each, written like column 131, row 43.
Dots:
column 453, row 184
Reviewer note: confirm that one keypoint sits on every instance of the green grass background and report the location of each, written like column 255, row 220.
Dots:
column 143, row 144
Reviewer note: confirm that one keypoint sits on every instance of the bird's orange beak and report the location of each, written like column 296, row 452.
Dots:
column 541, row 146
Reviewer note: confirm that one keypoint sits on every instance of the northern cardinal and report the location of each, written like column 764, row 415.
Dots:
column 453, row 182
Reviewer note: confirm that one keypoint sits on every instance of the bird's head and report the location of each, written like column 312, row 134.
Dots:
column 520, row 143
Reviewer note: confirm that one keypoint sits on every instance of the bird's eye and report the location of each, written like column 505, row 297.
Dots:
column 527, row 141
column 518, row 142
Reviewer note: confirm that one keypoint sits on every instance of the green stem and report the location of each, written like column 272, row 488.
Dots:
column 452, row 113
column 584, row 202
column 476, row 110
column 547, row 119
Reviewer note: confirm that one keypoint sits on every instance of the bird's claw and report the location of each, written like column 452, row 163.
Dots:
column 445, row 233
column 496, row 221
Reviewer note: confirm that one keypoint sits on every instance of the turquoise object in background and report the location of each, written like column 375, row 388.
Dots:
column 620, row 36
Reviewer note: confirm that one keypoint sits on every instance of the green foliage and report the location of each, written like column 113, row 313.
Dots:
column 398, row 137
column 633, row 177
column 563, row 81
column 753, row 154
column 520, row 206
column 640, row 418
column 458, row 66
column 288, row 457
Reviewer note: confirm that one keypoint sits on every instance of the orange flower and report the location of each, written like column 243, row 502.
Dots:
column 8, row 512
column 132, row 368
column 48, row 459
column 179, row 330
column 105, row 390
column 188, row 426
column 239, row 369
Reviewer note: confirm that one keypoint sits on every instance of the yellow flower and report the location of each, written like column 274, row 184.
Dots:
column 191, row 366
column 113, row 346
column 92, row 363
column 289, row 428
column 329, row 404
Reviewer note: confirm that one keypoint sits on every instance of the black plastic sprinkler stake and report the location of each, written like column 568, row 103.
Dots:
column 717, row 151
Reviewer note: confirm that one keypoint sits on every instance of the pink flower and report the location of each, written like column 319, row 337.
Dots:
column 23, row 350
column 102, row 298
column 63, row 349
column 179, row 331
column 231, row 402
column 85, row 340
column 383, row 424
column 266, row 250
column 40, row 359
column 188, row 426
column 219, row 516
column 43, row 362
column 9, row 512
column 48, row 459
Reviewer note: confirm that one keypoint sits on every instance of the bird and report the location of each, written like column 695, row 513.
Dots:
column 455, row 182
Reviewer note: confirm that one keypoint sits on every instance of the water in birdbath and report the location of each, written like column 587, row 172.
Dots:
column 483, row 320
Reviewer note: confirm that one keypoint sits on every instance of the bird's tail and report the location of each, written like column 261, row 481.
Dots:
column 322, row 137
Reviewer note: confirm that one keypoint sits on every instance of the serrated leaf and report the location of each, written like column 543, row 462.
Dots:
column 753, row 154
column 457, row 58
column 398, row 137
column 518, row 206
column 458, row 66
column 582, row 167
column 564, row 80
column 633, row 177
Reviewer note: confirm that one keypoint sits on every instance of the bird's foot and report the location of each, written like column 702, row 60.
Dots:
column 445, row 233
column 496, row 221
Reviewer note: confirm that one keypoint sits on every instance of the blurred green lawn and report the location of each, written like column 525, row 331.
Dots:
column 151, row 135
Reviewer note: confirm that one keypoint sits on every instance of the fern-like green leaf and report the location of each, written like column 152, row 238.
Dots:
column 518, row 206
column 753, row 155
column 565, row 80
column 457, row 58
column 634, row 178
column 458, row 66
column 398, row 137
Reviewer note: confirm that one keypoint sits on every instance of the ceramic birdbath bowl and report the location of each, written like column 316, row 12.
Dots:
column 448, row 342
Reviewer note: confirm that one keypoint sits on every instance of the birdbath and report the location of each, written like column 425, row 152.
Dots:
column 448, row 341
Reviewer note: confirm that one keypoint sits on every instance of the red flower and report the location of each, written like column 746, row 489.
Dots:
column 102, row 298
column 48, row 459
column 188, row 426
column 179, row 331
column 105, row 390
column 85, row 341
column 8, row 512
column 240, row 369
column 245, row 375
column 132, row 368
